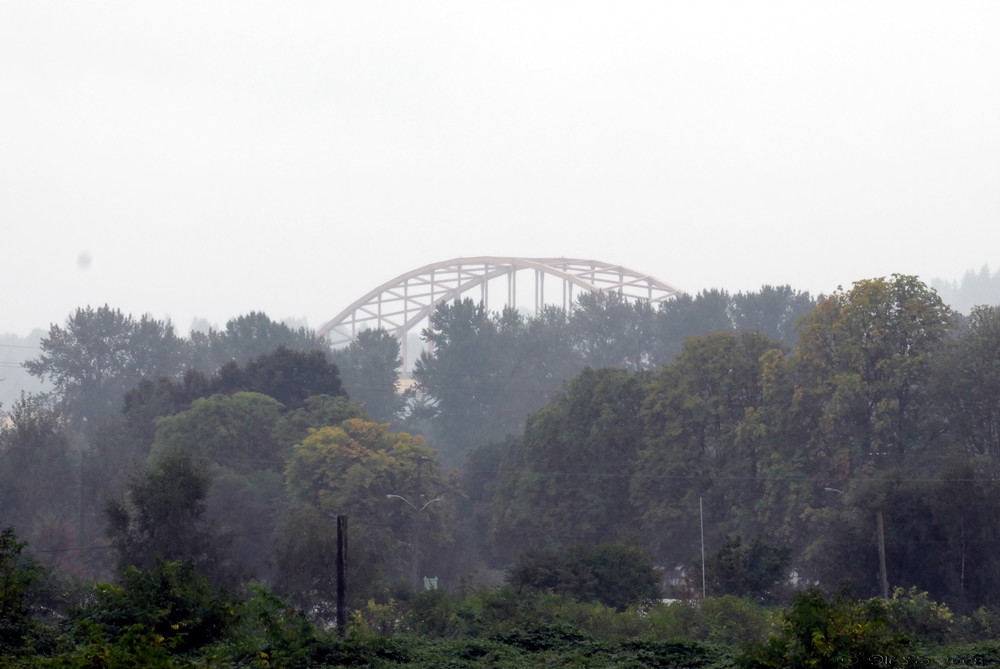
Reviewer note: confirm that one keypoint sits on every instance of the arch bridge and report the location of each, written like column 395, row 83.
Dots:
column 405, row 302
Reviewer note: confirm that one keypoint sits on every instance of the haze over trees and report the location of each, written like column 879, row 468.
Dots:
column 556, row 446
column 975, row 288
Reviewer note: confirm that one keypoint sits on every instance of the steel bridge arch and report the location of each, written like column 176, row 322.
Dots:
column 402, row 303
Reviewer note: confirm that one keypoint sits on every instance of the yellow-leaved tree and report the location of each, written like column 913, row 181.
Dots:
column 388, row 484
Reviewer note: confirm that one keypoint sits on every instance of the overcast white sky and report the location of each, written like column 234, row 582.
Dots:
column 213, row 158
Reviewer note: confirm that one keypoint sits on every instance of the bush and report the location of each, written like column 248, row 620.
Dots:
column 434, row 613
column 269, row 632
column 915, row 614
column 540, row 636
column 753, row 570
column 830, row 634
column 983, row 623
column 18, row 574
column 674, row 654
column 726, row 620
column 170, row 601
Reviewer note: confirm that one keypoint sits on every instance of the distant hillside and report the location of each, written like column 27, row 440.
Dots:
column 982, row 287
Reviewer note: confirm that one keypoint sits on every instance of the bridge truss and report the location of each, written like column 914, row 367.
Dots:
column 404, row 303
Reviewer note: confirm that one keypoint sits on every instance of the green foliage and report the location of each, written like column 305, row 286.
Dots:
column 232, row 430
column 285, row 374
column 100, row 354
column 39, row 487
column 247, row 337
column 434, row 613
column 160, row 517
column 316, row 412
column 753, row 569
column 302, row 385
column 369, row 367
column 374, row 619
column 712, row 439
column 616, row 575
column 351, row 469
column 18, row 573
column 688, row 316
column 567, row 479
column 538, row 636
column 866, row 355
column 982, row 654
column 727, row 620
column 916, row 614
column 305, row 562
column 983, row 623
column 830, row 633
column 488, row 371
column 170, row 602
column 267, row 632
column 609, row 330
column 773, row 311
column 675, row 654
column 969, row 384
column 135, row 646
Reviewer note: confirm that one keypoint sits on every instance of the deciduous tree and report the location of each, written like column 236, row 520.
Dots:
column 369, row 367
column 351, row 469
column 100, row 354
column 709, row 433
column 864, row 359
column 567, row 479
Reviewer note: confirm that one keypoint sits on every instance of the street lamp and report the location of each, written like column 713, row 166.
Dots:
column 415, row 556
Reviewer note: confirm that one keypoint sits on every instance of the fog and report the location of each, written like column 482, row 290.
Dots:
column 202, row 162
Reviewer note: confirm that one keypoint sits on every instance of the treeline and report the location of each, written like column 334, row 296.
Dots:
column 975, row 288
column 488, row 371
column 798, row 433
column 229, row 449
column 233, row 448
column 887, row 405
column 786, row 424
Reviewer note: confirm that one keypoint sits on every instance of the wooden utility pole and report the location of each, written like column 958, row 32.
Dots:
column 342, row 575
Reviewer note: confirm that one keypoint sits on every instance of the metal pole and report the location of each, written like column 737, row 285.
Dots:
column 417, row 510
column 701, row 515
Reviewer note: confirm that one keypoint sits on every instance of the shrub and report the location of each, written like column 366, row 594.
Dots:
column 269, row 632
column 171, row 601
column 725, row 620
column 434, row 613
column 540, row 636
column 916, row 614
column 18, row 574
column 830, row 634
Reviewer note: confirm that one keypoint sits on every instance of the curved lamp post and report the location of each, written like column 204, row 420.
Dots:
column 415, row 556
